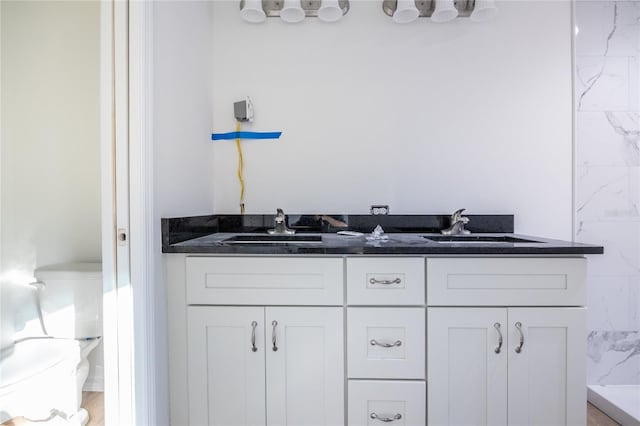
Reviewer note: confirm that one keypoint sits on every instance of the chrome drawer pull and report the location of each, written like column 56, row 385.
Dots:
column 499, row 347
column 374, row 416
column 374, row 342
column 519, row 328
column 385, row 282
column 253, row 336
column 274, row 323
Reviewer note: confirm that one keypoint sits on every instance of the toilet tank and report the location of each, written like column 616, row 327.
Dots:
column 71, row 299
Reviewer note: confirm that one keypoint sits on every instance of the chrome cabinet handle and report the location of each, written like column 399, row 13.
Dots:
column 274, row 323
column 253, row 336
column 384, row 282
column 519, row 328
column 499, row 347
column 374, row 416
column 374, row 342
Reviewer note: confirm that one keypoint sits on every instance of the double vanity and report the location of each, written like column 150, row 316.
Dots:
column 411, row 328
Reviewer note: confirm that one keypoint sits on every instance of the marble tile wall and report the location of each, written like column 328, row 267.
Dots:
column 607, row 104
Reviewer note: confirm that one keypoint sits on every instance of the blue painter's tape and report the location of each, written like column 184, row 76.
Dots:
column 245, row 135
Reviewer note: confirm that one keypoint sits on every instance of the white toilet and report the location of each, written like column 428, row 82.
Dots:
column 43, row 377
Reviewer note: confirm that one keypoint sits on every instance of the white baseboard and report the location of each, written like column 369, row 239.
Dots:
column 95, row 382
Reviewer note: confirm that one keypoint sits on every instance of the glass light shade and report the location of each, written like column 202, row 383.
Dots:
column 252, row 11
column 406, row 12
column 445, row 11
column 484, row 10
column 292, row 11
column 329, row 11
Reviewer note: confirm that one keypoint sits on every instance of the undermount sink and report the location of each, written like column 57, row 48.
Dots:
column 479, row 239
column 274, row 239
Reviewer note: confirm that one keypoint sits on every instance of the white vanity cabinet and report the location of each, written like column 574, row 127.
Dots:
column 506, row 365
column 265, row 366
column 367, row 340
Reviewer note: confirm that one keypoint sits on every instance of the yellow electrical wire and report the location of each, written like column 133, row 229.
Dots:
column 240, row 169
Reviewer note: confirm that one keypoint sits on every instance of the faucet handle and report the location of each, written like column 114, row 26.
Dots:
column 280, row 224
column 456, row 227
column 457, row 215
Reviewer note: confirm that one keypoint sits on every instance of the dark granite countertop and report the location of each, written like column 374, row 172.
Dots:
column 407, row 235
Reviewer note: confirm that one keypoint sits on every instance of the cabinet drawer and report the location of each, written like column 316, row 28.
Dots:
column 385, row 281
column 373, row 403
column 506, row 281
column 386, row 343
column 264, row 281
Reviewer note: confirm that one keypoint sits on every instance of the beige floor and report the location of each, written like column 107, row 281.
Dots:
column 596, row 417
column 93, row 402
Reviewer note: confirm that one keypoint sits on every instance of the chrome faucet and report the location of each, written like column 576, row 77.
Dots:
column 457, row 224
column 280, row 225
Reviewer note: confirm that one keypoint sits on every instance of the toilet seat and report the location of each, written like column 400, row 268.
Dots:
column 41, row 374
column 25, row 359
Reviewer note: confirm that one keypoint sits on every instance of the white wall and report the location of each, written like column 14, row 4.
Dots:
column 50, row 133
column 50, row 162
column 182, row 108
column 183, row 158
column 424, row 117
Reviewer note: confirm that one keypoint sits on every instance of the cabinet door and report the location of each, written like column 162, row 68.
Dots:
column 305, row 366
column 466, row 366
column 226, row 374
column 547, row 376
